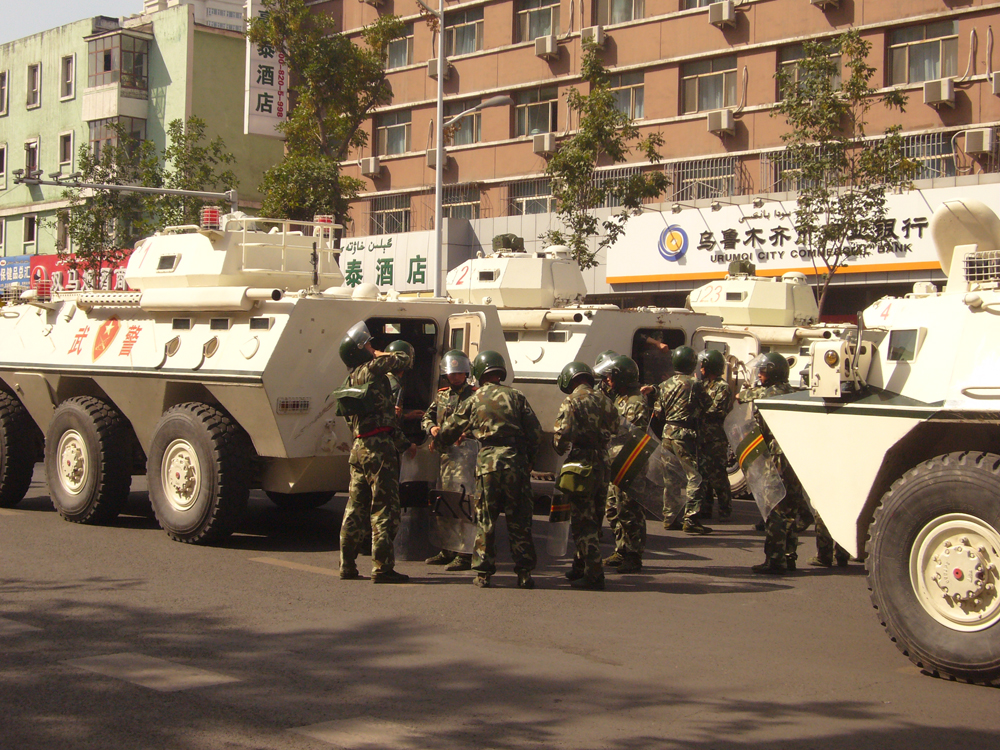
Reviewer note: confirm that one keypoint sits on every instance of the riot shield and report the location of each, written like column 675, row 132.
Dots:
column 755, row 460
column 629, row 453
column 664, row 489
column 557, row 538
column 453, row 503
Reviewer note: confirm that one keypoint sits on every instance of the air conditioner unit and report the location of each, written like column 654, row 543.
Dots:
column 979, row 141
column 543, row 143
column 547, row 47
column 722, row 14
column 824, row 4
column 721, row 121
column 940, row 93
column 996, row 84
column 432, row 159
column 371, row 167
column 594, row 34
column 432, row 68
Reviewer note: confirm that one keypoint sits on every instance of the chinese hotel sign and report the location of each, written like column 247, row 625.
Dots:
column 394, row 261
column 265, row 104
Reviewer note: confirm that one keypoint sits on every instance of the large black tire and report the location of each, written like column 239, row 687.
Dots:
column 299, row 500
column 87, row 460
column 198, row 473
column 934, row 537
column 17, row 455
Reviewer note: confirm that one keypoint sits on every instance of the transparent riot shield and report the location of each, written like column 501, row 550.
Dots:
column 557, row 537
column 453, row 502
column 629, row 453
column 755, row 460
column 664, row 486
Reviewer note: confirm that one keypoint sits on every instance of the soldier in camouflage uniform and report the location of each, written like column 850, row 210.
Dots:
column 374, row 460
column 625, row 515
column 827, row 550
column 587, row 419
column 781, row 537
column 456, row 368
column 713, row 447
column 677, row 411
column 501, row 419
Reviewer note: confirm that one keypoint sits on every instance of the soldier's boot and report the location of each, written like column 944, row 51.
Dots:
column 631, row 564
column 842, row 560
column 389, row 576
column 614, row 560
column 524, row 580
column 822, row 562
column 349, row 572
column 592, row 584
column 790, row 564
column 575, row 573
column 760, row 525
column 675, row 524
column 482, row 581
column 461, row 562
column 443, row 557
column 769, row 567
column 691, row 526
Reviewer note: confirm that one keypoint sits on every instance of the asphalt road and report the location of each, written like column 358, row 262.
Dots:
column 117, row 637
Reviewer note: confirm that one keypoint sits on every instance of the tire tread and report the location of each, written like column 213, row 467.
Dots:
column 19, row 459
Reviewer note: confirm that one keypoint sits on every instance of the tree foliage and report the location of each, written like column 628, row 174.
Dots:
column 606, row 135
column 191, row 164
column 843, row 174
column 336, row 84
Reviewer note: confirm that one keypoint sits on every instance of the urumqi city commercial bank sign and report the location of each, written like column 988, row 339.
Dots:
column 701, row 243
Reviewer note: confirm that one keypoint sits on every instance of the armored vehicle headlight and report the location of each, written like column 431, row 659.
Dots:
column 831, row 358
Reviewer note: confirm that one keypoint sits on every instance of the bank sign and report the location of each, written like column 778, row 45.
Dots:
column 701, row 243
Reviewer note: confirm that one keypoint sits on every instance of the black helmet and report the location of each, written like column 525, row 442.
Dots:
column 621, row 369
column 352, row 347
column 773, row 366
column 402, row 346
column 684, row 360
column 604, row 357
column 713, row 362
column 455, row 361
column 571, row 372
column 487, row 362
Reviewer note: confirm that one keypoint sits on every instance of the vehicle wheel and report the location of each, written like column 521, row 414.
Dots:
column 300, row 500
column 198, row 473
column 737, row 481
column 87, row 462
column 932, row 566
column 17, row 459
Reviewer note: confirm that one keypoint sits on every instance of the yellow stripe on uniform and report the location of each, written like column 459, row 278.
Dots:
column 631, row 458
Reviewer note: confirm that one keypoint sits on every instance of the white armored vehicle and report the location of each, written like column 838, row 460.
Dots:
column 211, row 376
column 897, row 443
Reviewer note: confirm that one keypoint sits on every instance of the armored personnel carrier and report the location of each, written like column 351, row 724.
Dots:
column 897, row 442
column 210, row 375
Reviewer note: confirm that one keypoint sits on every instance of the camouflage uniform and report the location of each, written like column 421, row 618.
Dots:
column 678, row 405
column 374, row 461
column 625, row 514
column 781, row 537
column 587, row 419
column 713, row 447
column 445, row 403
column 826, row 548
column 508, row 431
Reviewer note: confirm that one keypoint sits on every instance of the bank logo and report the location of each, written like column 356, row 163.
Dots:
column 673, row 243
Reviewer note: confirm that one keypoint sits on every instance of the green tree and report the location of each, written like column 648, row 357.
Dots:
column 191, row 164
column 843, row 174
column 336, row 85
column 606, row 135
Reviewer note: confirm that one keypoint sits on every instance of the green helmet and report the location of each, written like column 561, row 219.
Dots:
column 604, row 356
column 773, row 366
column 621, row 369
column 571, row 372
column 684, row 360
column 487, row 362
column 352, row 347
column 713, row 362
column 455, row 361
column 402, row 346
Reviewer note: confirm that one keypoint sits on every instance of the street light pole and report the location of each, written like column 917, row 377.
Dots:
column 439, row 159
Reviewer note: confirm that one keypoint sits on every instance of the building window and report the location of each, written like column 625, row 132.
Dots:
column 627, row 89
column 619, row 11
column 933, row 153
column 464, row 32
column 30, row 157
column 3, row 236
column 537, row 18
column 392, row 132
column 469, row 128
column 788, row 60
column 3, row 166
column 530, row 197
column 66, row 152
column 607, row 177
column 118, row 58
column 103, row 132
column 460, row 202
column 30, row 233
column 62, row 231
column 537, row 110
column 688, row 4
column 390, row 214
column 924, row 53
column 34, row 85
column 705, row 178
column 401, row 50
column 709, row 84
column 67, row 77
column 4, row 91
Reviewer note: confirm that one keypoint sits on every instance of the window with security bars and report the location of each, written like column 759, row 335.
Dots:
column 400, row 51
column 392, row 133
column 463, row 32
column 460, row 202
column 628, row 92
column 610, row 176
column 469, row 128
column 933, row 152
column 530, row 197
column 536, row 111
column 709, row 84
column 923, row 53
column 788, row 60
column 688, row 4
column 389, row 214
column 619, row 11
column 537, row 18
column 704, row 178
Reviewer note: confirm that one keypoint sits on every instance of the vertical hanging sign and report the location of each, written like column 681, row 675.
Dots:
column 265, row 104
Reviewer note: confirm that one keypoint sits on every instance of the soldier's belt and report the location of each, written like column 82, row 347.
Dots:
column 371, row 433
